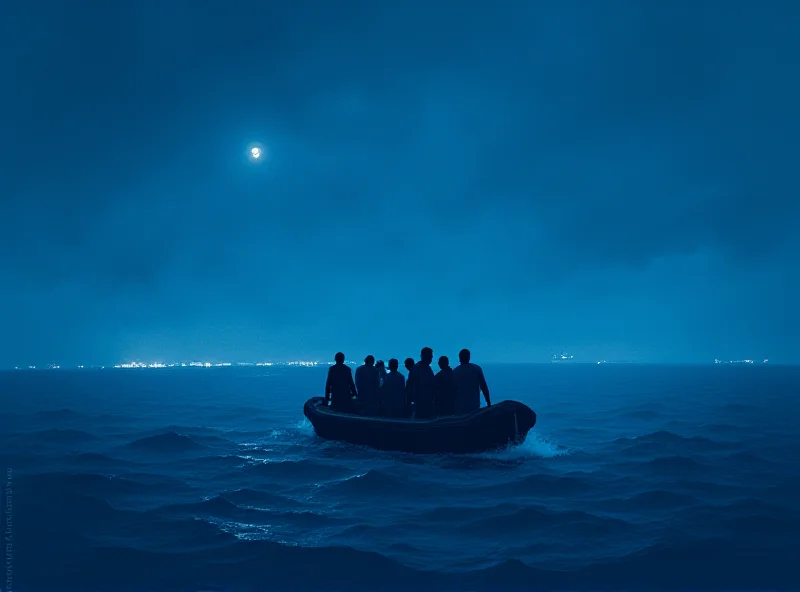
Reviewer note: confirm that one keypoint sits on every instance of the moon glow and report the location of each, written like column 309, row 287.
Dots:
column 257, row 152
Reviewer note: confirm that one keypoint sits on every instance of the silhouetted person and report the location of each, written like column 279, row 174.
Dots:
column 381, row 371
column 368, row 382
column 469, row 384
column 393, row 392
column 445, row 384
column 424, row 388
column 409, row 364
column 340, row 388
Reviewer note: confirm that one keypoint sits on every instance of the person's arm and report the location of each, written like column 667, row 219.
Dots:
column 353, row 391
column 484, row 387
column 328, row 386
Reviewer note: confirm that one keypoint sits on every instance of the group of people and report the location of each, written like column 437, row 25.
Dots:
column 422, row 395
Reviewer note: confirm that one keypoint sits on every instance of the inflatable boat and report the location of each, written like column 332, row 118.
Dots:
column 488, row 428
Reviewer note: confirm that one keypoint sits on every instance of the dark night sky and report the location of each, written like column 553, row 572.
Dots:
column 618, row 179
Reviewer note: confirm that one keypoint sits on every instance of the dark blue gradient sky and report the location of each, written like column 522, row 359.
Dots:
column 618, row 179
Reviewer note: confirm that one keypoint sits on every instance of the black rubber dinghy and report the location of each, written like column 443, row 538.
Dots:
column 488, row 428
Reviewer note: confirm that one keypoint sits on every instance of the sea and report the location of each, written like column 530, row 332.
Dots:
column 636, row 477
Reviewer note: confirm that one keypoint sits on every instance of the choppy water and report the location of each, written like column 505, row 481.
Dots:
column 635, row 477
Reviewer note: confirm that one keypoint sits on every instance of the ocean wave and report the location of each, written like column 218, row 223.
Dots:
column 260, row 499
column 746, row 460
column 44, row 485
column 709, row 489
column 377, row 483
column 764, row 526
column 641, row 414
column 226, row 412
column 534, row 447
column 544, row 484
column 60, row 415
column 267, row 565
column 721, row 429
column 705, row 563
column 788, row 489
column 263, row 565
column 662, row 441
column 663, row 466
column 369, row 482
column 221, row 507
column 507, row 521
column 84, row 483
column 216, row 461
column 655, row 499
column 213, row 441
column 182, row 429
column 96, row 521
column 59, row 436
column 740, row 408
column 291, row 470
column 96, row 459
column 166, row 443
column 85, row 513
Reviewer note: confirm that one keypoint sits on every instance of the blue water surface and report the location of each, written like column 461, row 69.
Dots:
column 188, row 479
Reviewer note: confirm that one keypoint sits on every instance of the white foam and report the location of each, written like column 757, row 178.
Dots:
column 535, row 446
column 304, row 426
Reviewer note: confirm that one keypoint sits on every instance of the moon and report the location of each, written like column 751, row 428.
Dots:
column 256, row 153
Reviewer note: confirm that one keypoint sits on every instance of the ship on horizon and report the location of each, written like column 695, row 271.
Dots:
column 562, row 357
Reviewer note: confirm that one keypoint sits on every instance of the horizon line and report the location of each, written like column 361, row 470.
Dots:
column 315, row 363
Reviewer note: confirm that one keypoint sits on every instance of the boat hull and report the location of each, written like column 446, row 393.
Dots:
column 488, row 428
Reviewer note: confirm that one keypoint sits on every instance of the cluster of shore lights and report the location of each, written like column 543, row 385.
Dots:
column 181, row 365
column 214, row 365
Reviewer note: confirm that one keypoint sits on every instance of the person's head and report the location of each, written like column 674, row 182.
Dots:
column 369, row 360
column 426, row 355
column 379, row 365
column 393, row 365
column 444, row 362
column 409, row 363
column 463, row 356
column 339, row 358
